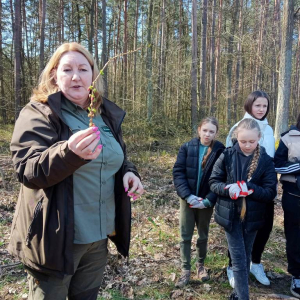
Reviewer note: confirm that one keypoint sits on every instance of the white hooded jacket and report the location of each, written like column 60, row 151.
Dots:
column 267, row 139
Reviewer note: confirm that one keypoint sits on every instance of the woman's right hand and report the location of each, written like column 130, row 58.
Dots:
column 84, row 143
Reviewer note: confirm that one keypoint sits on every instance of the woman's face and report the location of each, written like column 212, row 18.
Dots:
column 207, row 133
column 74, row 76
column 259, row 108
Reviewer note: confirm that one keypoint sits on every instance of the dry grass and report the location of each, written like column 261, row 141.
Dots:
column 154, row 264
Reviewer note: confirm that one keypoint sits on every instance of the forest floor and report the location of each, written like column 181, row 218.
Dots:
column 154, row 263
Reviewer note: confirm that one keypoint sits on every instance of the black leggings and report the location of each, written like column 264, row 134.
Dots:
column 262, row 235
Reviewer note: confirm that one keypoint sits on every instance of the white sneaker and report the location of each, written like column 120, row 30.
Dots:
column 258, row 271
column 230, row 276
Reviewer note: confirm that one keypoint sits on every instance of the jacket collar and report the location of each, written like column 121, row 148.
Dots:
column 114, row 114
column 260, row 122
column 218, row 145
column 294, row 130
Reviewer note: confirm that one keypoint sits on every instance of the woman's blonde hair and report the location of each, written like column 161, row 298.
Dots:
column 47, row 84
column 249, row 124
column 213, row 121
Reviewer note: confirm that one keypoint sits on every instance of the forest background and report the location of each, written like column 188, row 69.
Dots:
column 186, row 59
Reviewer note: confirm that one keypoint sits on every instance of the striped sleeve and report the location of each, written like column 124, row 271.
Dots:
column 282, row 164
column 293, row 168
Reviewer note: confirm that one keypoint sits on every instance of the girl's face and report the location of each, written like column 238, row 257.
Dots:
column 248, row 140
column 207, row 133
column 259, row 108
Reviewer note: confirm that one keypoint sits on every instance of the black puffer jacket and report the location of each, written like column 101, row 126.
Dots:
column 263, row 182
column 185, row 171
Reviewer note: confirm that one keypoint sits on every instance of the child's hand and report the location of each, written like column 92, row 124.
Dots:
column 199, row 204
column 234, row 190
column 192, row 200
column 244, row 189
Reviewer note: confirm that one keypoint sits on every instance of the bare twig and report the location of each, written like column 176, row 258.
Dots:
column 93, row 90
column 112, row 58
column 8, row 266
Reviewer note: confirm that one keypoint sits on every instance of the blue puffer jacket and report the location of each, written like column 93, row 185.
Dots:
column 263, row 182
column 185, row 171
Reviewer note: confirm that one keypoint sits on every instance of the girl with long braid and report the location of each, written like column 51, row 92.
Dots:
column 257, row 106
column 245, row 181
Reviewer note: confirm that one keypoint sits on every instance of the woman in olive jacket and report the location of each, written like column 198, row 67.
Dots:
column 66, row 169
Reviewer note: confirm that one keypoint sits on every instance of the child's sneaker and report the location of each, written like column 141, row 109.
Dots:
column 295, row 287
column 258, row 271
column 202, row 273
column 230, row 276
column 184, row 279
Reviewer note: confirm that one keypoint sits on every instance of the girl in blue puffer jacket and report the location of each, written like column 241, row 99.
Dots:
column 191, row 172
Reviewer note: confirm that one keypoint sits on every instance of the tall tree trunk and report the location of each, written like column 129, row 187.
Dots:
column 285, row 69
column 202, row 108
column 2, row 98
column 96, row 32
column 275, row 49
column 296, row 79
column 135, row 54
column 42, row 33
column 78, row 23
column 61, row 22
column 17, row 46
column 161, row 76
column 218, row 54
column 91, row 34
column 194, row 104
column 104, row 57
column 235, row 7
column 212, row 103
column 149, row 63
column 125, row 48
column 238, row 63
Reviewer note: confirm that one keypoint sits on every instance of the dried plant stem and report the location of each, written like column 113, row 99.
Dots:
column 93, row 90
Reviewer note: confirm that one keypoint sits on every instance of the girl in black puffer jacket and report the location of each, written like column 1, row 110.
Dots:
column 191, row 172
column 244, row 179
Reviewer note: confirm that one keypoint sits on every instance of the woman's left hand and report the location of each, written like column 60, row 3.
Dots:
column 133, row 185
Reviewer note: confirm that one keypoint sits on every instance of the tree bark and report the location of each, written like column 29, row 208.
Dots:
column 149, row 63
column 212, row 103
column 135, row 54
column 194, row 104
column 161, row 76
column 235, row 7
column 17, row 47
column 202, row 71
column 284, row 82
column 2, row 98
column 42, row 33
column 104, row 57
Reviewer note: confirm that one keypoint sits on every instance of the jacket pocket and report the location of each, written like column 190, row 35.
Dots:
column 31, row 229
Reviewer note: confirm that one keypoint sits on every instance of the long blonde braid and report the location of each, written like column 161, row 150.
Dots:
column 249, row 124
column 252, row 168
